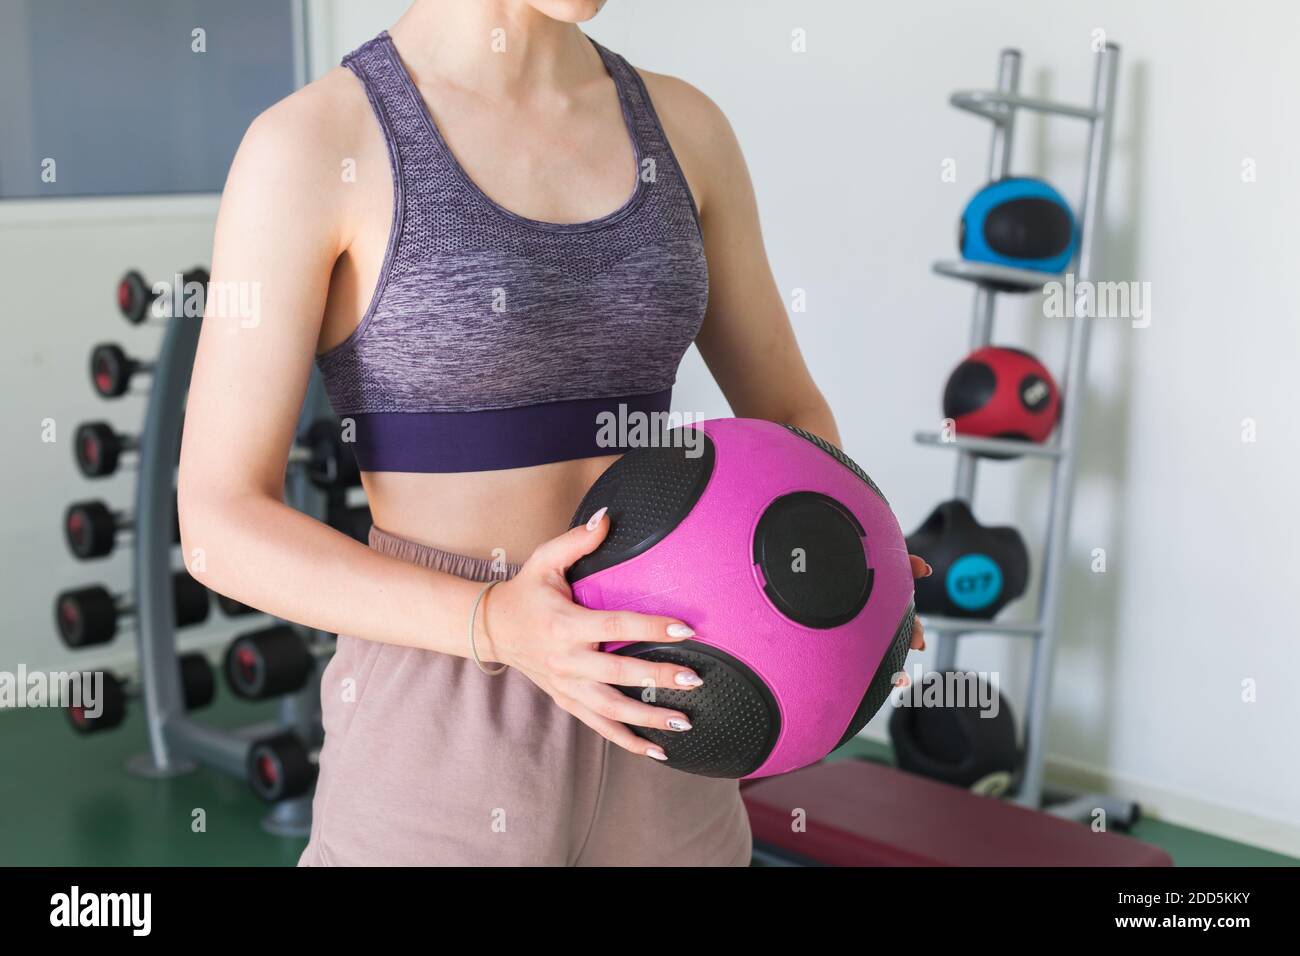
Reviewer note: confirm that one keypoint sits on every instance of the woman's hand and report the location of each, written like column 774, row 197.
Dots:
column 534, row 626
column 920, row 569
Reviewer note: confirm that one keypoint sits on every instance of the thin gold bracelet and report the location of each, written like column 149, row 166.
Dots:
column 473, row 614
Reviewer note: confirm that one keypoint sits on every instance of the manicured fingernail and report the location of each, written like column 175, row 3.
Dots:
column 680, row 630
column 928, row 571
column 687, row 679
column 656, row 753
column 677, row 723
column 594, row 522
column 902, row 680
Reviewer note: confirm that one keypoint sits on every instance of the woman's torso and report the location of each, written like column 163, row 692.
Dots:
column 569, row 160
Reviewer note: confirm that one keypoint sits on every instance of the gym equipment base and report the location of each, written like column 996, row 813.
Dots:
column 1120, row 813
column 290, row 818
column 857, row 813
column 143, row 765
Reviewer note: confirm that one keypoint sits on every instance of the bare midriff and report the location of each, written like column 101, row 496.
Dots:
column 477, row 513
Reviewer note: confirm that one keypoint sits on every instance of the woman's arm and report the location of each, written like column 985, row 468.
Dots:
column 279, row 232
column 746, row 340
column 283, row 224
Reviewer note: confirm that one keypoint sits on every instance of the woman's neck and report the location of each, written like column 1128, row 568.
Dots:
column 495, row 48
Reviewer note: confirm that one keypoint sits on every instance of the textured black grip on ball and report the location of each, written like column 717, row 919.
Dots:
column 882, row 682
column 735, row 719
column 648, row 492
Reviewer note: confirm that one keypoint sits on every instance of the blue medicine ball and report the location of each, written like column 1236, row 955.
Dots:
column 1019, row 222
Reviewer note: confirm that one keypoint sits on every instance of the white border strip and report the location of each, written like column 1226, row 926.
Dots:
column 58, row 210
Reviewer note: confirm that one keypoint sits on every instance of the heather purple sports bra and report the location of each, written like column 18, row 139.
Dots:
column 496, row 341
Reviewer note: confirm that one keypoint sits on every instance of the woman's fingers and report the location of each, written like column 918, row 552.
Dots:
column 616, row 733
column 920, row 569
column 560, row 553
column 623, row 671
column 627, row 627
column 614, row 705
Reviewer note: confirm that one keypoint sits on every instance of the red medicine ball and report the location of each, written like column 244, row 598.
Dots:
column 1002, row 393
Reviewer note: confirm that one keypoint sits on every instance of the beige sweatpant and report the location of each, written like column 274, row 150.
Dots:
column 428, row 761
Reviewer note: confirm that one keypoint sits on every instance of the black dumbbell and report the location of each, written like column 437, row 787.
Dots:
column 268, row 663
column 91, row 528
column 198, row 687
column 282, row 767
column 352, row 521
column 232, row 608
column 111, row 370
column 321, row 452
column 326, row 457
column 135, row 295
column 99, row 448
column 89, row 616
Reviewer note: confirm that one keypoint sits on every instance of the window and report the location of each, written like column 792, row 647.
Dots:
column 133, row 97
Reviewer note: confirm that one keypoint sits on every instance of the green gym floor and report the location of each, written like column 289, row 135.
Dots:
column 65, row 800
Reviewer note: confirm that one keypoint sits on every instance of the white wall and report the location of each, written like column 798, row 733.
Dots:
column 845, row 143
column 62, row 261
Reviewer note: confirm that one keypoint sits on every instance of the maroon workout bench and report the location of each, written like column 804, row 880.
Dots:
column 866, row 814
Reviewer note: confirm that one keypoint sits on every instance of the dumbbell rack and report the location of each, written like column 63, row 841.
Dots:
column 1001, row 107
column 178, row 743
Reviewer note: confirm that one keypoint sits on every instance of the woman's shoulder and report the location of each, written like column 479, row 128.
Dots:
column 294, row 159
column 680, row 103
column 329, row 114
column 697, row 129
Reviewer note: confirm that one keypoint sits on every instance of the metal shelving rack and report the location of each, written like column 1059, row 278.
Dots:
column 1001, row 107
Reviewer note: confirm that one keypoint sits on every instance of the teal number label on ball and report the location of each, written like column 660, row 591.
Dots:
column 974, row 581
